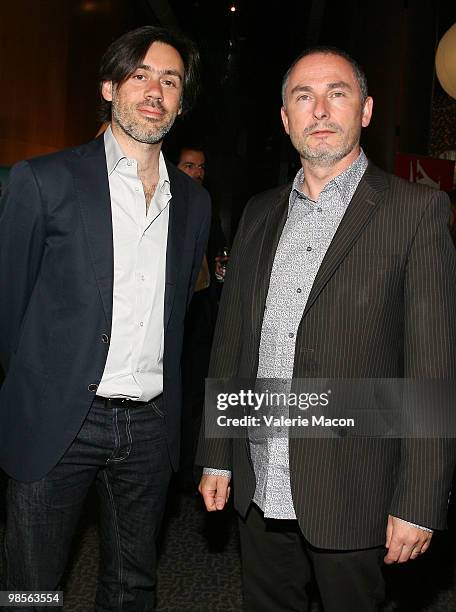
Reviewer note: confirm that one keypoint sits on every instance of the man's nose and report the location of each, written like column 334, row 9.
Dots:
column 320, row 110
column 153, row 90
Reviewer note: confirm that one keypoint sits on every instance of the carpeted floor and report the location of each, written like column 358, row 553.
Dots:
column 199, row 566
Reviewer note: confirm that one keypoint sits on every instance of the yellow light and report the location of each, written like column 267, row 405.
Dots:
column 445, row 62
column 233, row 8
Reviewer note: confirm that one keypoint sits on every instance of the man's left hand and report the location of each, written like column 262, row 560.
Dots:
column 404, row 541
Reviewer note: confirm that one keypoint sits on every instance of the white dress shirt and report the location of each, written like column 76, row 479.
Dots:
column 134, row 366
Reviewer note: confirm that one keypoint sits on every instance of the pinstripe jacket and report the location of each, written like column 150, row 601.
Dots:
column 382, row 305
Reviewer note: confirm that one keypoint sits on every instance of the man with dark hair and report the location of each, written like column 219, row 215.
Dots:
column 347, row 273
column 100, row 248
column 126, row 54
column 192, row 161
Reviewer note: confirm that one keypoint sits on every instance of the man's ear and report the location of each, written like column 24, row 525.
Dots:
column 283, row 114
column 367, row 111
column 106, row 90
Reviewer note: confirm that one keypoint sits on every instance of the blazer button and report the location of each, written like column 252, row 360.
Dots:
column 92, row 387
column 105, row 339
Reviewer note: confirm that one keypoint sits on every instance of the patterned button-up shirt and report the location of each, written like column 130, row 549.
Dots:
column 306, row 236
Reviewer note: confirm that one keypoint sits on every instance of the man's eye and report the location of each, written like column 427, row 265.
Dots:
column 304, row 97
column 338, row 94
column 168, row 83
column 139, row 77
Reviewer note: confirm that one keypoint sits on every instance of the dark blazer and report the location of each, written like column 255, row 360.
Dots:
column 56, row 280
column 383, row 304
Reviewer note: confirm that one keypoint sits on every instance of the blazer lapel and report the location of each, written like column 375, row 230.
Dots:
column 176, row 234
column 92, row 188
column 363, row 205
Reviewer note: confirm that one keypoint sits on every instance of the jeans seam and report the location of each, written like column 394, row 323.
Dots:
column 116, row 438
column 116, row 529
column 129, row 438
column 157, row 409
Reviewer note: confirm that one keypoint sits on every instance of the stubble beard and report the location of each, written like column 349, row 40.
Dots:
column 154, row 132
column 325, row 157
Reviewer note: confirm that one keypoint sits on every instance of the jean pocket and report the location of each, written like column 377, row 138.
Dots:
column 157, row 407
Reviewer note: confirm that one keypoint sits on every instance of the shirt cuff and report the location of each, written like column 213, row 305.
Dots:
column 415, row 525
column 215, row 472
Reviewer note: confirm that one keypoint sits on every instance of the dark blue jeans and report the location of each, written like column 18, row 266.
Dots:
column 124, row 451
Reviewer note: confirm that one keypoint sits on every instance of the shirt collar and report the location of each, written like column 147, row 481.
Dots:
column 114, row 155
column 346, row 182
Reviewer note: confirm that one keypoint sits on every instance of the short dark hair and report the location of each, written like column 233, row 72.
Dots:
column 190, row 147
column 328, row 50
column 125, row 54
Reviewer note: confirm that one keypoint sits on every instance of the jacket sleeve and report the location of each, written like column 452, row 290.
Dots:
column 427, row 463
column 201, row 243
column 22, row 240
column 216, row 453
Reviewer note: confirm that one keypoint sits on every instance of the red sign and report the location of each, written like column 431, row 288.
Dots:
column 437, row 173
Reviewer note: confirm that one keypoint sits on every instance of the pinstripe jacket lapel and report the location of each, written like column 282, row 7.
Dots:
column 365, row 202
column 363, row 205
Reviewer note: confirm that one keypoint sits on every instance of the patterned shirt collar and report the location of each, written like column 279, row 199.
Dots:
column 346, row 182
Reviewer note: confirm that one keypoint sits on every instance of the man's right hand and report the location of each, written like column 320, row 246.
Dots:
column 215, row 491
